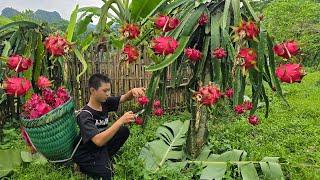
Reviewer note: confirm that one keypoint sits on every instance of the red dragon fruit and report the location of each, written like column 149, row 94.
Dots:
column 193, row 54
column 253, row 119
column 130, row 31
column 219, row 53
column 164, row 45
column 16, row 86
column 203, row 19
column 138, row 120
column 229, row 93
column 156, row 103
column 143, row 100
column 239, row 109
column 158, row 112
column 166, row 23
column 63, row 94
column 41, row 109
column 56, row 45
column 249, row 56
column 252, row 30
column 208, row 95
column 246, row 29
column 286, row 49
column 247, row 105
column 290, row 73
column 49, row 96
column 43, row 82
column 19, row 63
column 132, row 54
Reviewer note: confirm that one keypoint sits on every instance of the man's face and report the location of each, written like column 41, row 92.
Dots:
column 103, row 92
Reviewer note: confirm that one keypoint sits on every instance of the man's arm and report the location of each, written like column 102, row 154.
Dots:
column 135, row 92
column 102, row 138
column 126, row 97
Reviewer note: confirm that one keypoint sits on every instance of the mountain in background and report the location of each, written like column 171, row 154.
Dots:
column 9, row 12
column 42, row 15
column 46, row 16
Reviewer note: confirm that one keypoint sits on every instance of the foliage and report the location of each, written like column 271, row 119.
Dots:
column 291, row 133
column 296, row 19
column 168, row 149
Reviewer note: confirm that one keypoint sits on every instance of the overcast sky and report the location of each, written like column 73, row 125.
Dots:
column 64, row 7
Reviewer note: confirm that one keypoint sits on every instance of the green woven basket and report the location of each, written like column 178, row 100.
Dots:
column 54, row 134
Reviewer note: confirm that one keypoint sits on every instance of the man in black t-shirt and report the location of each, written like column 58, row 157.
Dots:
column 100, row 142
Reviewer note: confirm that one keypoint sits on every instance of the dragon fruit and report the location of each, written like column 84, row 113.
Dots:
column 19, row 63
column 164, row 45
column 143, row 100
column 17, row 86
column 130, row 31
column 56, row 45
column 219, row 53
column 290, row 73
column 193, row 54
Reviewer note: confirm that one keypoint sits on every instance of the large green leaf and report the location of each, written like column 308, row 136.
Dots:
column 36, row 158
column 216, row 166
column 273, row 69
column 72, row 23
column 152, row 87
column 250, row 9
column 201, row 65
column 167, row 147
column 175, row 4
column 192, row 22
column 9, row 161
column 38, row 59
column 82, row 25
column 86, row 42
column 91, row 9
column 27, row 24
column 7, row 47
column 183, row 41
column 215, row 43
column 156, row 9
column 141, row 8
column 248, row 171
column 83, row 62
column 225, row 14
column 236, row 11
column 104, row 16
column 271, row 168
column 185, row 17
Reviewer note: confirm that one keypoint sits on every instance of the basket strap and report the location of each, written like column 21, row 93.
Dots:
column 75, row 149
column 84, row 110
column 24, row 129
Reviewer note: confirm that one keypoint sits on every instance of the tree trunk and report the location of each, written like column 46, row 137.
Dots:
column 198, row 131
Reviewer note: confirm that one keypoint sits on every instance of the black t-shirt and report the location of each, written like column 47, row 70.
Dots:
column 92, row 124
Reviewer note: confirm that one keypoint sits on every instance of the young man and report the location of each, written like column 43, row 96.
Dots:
column 100, row 142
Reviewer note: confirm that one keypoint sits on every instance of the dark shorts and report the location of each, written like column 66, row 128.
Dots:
column 98, row 163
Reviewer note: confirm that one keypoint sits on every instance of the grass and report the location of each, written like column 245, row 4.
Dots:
column 292, row 133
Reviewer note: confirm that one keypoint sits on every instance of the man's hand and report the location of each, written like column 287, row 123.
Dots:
column 127, row 117
column 135, row 92
column 138, row 92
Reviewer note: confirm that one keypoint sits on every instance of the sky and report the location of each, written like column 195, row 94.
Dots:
column 63, row 7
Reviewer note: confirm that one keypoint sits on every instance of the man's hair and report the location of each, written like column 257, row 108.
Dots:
column 97, row 79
